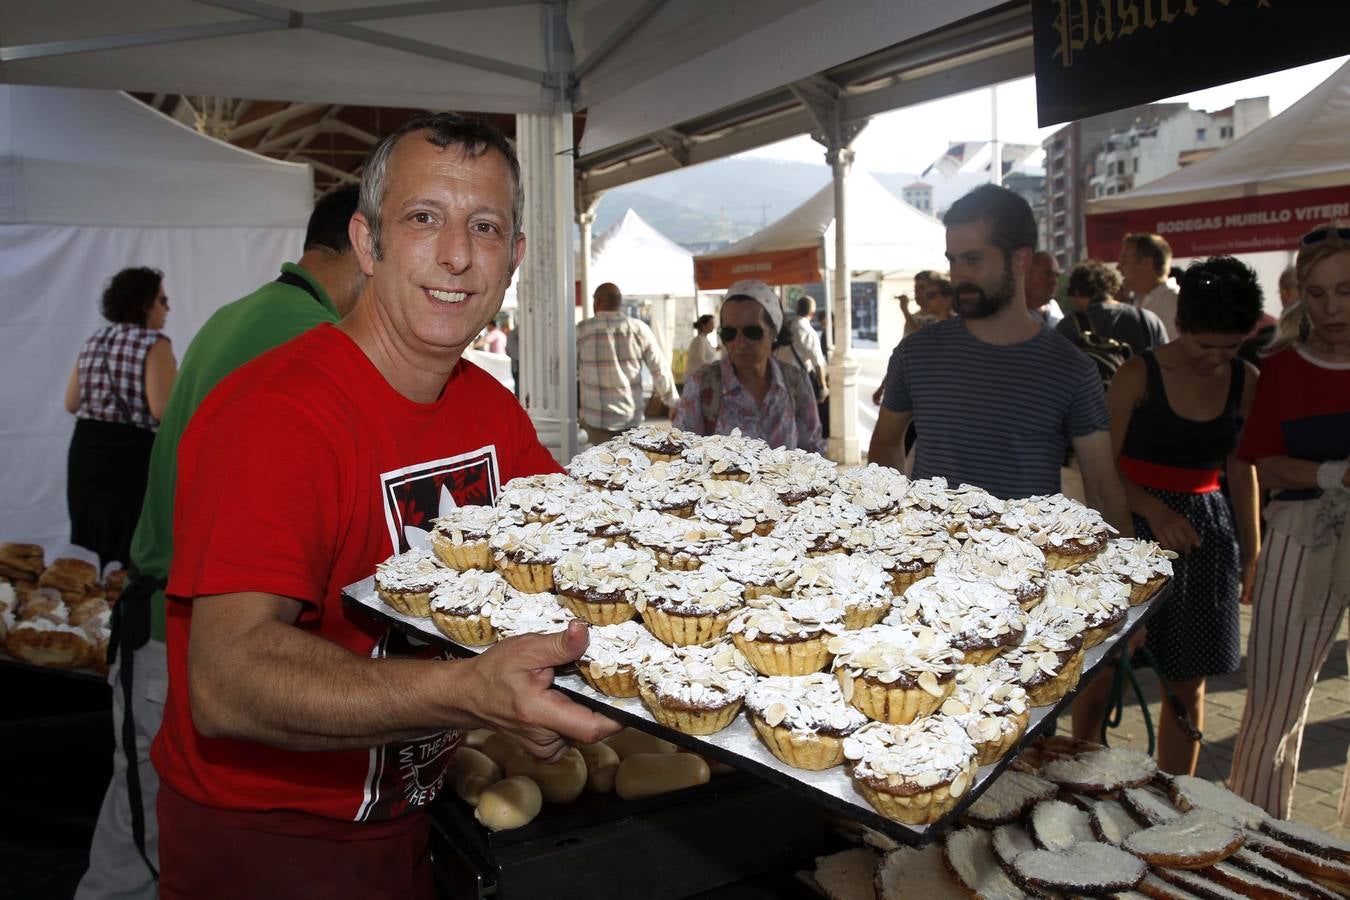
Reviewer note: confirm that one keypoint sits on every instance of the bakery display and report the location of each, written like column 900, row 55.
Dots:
column 57, row 615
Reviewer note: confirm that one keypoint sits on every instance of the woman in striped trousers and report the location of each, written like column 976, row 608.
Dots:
column 1299, row 438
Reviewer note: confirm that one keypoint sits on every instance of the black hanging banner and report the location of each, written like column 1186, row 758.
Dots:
column 1094, row 56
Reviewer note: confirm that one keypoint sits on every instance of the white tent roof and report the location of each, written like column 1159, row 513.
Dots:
column 641, row 260
column 637, row 65
column 1302, row 148
column 86, row 157
column 884, row 232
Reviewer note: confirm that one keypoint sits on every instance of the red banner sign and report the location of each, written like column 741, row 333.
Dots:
column 1222, row 227
column 801, row 266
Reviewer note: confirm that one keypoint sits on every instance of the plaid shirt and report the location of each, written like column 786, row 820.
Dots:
column 112, row 367
column 611, row 350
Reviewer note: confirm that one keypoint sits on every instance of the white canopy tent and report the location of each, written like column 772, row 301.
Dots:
column 92, row 182
column 642, row 261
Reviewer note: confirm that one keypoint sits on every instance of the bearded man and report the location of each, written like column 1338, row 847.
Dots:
column 997, row 398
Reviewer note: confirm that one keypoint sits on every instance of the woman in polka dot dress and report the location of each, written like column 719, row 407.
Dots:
column 1176, row 417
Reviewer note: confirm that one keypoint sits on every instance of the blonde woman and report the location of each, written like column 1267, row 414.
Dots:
column 1299, row 438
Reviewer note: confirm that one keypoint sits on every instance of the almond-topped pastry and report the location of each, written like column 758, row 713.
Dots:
column 524, row 613
column 907, row 557
column 526, row 554
column 667, row 487
column 991, row 706
column 610, row 465
column 743, row 509
column 661, row 444
column 1050, row 657
column 697, row 690
column 913, row 773
column 895, row 673
column 786, row 636
column 460, row 537
column 1009, row 562
column 463, row 603
column 877, row 489
column 977, row 617
column 678, row 543
column 766, row 566
column 803, row 719
column 601, row 583
column 973, row 507
column 1101, row 600
column 796, row 475
column 1067, row 532
column 615, row 654
column 539, row 498
column 602, row 515
column 691, row 607
column 857, row 584
column 731, row 457
column 1144, row 566
column 823, row 524
column 405, row 581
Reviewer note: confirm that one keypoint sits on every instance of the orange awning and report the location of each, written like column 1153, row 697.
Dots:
column 797, row 266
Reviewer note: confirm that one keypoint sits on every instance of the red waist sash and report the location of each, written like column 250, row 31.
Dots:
column 1169, row 478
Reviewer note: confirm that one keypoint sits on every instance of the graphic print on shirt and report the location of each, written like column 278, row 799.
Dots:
column 416, row 494
column 409, row 774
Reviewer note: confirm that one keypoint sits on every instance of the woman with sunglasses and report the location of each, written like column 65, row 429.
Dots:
column 1299, row 438
column 749, row 389
column 1176, row 416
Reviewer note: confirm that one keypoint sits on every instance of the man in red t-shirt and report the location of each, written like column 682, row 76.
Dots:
column 302, row 739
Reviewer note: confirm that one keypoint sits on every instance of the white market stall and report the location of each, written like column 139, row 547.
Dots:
column 92, row 182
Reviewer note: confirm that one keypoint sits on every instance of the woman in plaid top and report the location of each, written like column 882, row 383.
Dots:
column 117, row 391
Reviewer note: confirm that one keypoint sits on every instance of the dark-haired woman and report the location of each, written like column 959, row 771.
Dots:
column 118, row 391
column 1176, row 416
column 701, row 349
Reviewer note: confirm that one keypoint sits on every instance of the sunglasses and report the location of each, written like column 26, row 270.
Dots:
column 1313, row 238
column 751, row 332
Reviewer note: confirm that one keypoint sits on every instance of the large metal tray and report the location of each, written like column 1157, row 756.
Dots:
column 739, row 746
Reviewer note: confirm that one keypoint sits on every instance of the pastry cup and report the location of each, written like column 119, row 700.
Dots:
column 981, row 655
column 690, row 721
column 410, row 603
column 598, row 612
column 785, row 658
column 622, row 682
column 473, row 631
column 1049, row 692
column 462, row 557
column 812, row 751
column 1140, row 593
column 529, row 578
column 731, row 476
column 900, row 581
column 860, row 615
column 677, row 562
column 656, row 456
column 1095, row 635
column 989, row 752
column 676, row 630
column 1030, row 599
column 684, row 512
column 755, row 591
column 921, row 808
column 896, row 705
column 1058, row 559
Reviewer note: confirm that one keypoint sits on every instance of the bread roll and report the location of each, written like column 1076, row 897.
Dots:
column 500, row 749
column 630, row 741
column 476, row 737
column 510, row 803
column 561, row 781
column 601, row 763
column 645, row 774
column 471, row 772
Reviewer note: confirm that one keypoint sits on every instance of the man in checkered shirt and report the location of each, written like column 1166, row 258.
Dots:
column 612, row 348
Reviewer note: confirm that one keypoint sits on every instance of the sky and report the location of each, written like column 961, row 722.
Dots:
column 907, row 140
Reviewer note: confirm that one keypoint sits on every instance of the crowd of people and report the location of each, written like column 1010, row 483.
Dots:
column 265, row 734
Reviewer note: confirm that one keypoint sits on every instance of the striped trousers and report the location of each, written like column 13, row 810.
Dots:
column 1291, row 636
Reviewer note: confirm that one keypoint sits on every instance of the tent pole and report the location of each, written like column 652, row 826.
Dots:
column 586, row 221
column 843, row 368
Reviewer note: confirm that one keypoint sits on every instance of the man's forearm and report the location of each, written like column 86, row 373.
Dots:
column 297, row 691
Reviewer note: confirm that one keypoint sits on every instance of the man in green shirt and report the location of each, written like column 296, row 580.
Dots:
column 320, row 289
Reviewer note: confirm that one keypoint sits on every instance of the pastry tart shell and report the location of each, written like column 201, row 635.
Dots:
column 896, row 705
column 794, row 658
column 922, row 808
column 622, row 682
column 690, row 721
column 598, row 613
column 813, row 752
column 1053, row 690
column 461, row 557
column 989, row 752
column 681, row 631
column 473, row 631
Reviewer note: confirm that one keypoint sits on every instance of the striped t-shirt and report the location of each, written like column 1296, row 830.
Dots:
column 1000, row 417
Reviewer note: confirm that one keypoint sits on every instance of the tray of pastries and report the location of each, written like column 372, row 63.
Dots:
column 883, row 645
column 56, row 615
column 1072, row 819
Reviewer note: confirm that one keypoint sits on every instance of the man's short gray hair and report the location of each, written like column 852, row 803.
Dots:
column 475, row 136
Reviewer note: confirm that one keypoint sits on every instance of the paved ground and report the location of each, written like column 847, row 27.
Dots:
column 1324, row 742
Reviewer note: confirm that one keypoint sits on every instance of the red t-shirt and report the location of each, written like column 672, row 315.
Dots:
column 298, row 473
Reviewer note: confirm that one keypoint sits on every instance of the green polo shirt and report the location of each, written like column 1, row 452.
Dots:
column 235, row 334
